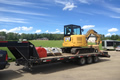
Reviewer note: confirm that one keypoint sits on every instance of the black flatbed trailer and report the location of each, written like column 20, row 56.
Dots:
column 26, row 55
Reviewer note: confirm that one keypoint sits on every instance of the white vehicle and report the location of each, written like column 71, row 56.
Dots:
column 110, row 44
column 117, row 48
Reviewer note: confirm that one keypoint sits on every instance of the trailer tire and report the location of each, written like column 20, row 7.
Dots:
column 65, row 61
column 81, row 61
column 89, row 60
column 16, row 64
column 95, row 59
column 96, row 50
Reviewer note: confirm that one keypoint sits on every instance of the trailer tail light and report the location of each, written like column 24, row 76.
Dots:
column 89, row 55
column 24, row 41
column 71, row 57
column 6, row 58
column 61, row 58
column 46, row 60
column 80, row 56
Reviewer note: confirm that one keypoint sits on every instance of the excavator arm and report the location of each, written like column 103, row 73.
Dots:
column 91, row 31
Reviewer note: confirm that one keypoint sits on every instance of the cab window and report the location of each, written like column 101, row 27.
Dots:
column 68, row 31
column 76, row 31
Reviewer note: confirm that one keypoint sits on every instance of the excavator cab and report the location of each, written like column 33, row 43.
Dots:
column 73, row 36
column 72, row 30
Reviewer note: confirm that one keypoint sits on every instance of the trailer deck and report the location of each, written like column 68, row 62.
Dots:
column 69, row 56
column 26, row 54
column 73, row 55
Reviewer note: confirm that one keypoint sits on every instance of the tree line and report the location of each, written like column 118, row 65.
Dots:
column 17, row 36
column 112, row 37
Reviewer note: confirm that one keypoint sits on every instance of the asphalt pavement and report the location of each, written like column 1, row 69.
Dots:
column 105, row 69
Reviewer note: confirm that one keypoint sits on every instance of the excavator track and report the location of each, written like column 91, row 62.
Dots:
column 82, row 50
column 78, row 50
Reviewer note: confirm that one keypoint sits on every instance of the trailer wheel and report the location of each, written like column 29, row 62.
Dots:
column 95, row 59
column 96, row 50
column 81, row 61
column 89, row 60
column 16, row 64
column 65, row 61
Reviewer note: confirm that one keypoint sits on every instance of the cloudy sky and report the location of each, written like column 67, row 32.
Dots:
column 49, row 16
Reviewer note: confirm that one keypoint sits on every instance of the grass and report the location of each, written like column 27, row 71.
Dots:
column 9, row 53
column 49, row 43
column 100, row 45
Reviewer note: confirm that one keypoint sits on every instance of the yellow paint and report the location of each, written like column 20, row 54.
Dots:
column 80, row 40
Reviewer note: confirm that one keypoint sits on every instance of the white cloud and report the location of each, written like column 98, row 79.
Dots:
column 69, row 6
column 26, row 28
column 114, row 34
column 55, row 32
column 20, row 33
column 3, row 30
column 113, row 30
column 115, row 17
column 61, row 2
column 21, row 3
column 88, row 26
column 14, row 20
column 89, row 1
column 37, row 31
column 61, row 32
column 47, row 31
column 57, row 29
column 108, row 34
column 21, row 12
column 113, row 8
column 16, row 2
column 16, row 29
column 84, row 1
column 11, row 30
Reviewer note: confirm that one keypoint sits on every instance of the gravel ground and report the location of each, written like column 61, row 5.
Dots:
column 105, row 69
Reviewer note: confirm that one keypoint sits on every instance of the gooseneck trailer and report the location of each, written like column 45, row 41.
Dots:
column 27, row 55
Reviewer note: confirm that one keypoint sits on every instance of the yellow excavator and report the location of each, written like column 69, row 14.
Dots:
column 75, row 42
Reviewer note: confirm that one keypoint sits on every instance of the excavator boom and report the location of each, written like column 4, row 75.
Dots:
column 91, row 31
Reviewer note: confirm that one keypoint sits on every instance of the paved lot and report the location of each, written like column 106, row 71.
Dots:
column 106, row 69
